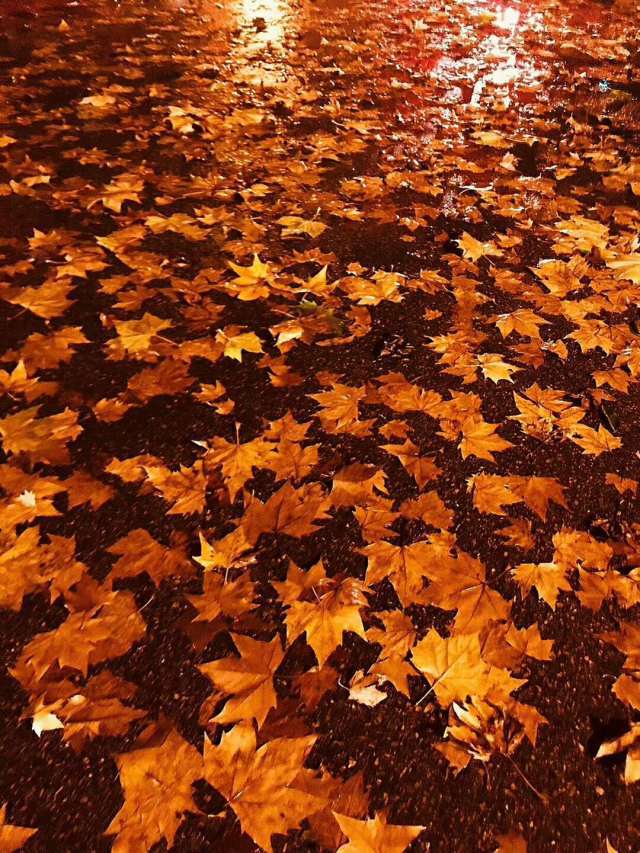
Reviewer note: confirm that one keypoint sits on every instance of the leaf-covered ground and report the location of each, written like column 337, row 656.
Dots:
column 320, row 426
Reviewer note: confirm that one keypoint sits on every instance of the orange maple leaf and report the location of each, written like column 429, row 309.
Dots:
column 258, row 783
column 156, row 782
column 249, row 679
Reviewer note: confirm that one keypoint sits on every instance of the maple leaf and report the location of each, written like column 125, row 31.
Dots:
column 404, row 565
column 453, row 665
column 41, row 439
column 586, row 233
column 474, row 249
column 375, row 835
column 50, row 299
column 364, row 689
column 358, row 485
column 559, row 277
column 88, row 712
column 549, row 580
column 627, row 266
column 156, row 782
column 135, row 336
column 234, row 342
column 107, row 628
column 12, row 837
column 495, row 369
column 82, row 488
column 397, row 636
column 184, row 489
column 544, row 410
column 293, row 461
column 421, row 468
column 491, row 493
column 523, row 321
column 250, row 281
column 289, row 510
column 45, row 351
column 314, row 684
column 225, row 553
column 484, row 729
column 26, row 566
column 18, row 382
column 168, row 377
column 221, row 596
column 249, row 679
column 460, row 584
column 258, row 783
column 237, row 461
column 339, row 412
column 504, row 645
column 594, row 442
column 27, row 497
column 348, row 797
column 479, row 439
column 294, row 225
column 394, row 669
column 139, row 552
column 123, row 188
column 333, row 609
column 429, row 508
column 627, row 689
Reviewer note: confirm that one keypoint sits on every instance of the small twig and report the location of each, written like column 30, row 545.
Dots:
column 542, row 797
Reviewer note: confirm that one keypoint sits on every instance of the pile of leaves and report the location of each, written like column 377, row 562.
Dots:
column 319, row 422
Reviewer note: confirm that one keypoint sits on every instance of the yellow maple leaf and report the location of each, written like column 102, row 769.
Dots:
column 524, row 321
column 474, row 249
column 289, row 510
column 237, row 461
column 495, row 369
column 234, row 342
column 453, row 665
column 123, row 188
column 293, row 225
column 594, row 442
column 479, row 439
column 375, row 835
column 228, row 552
column 222, row 596
column 107, row 626
column 460, row 584
column 251, row 282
